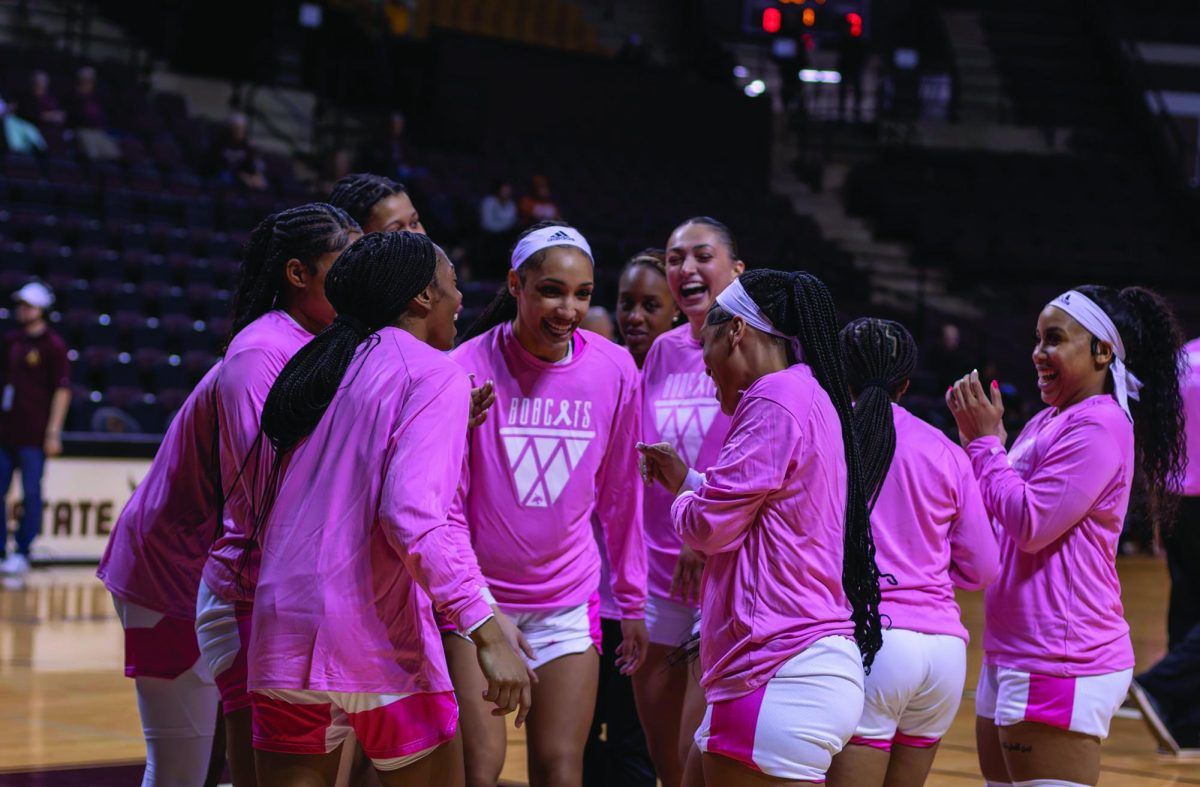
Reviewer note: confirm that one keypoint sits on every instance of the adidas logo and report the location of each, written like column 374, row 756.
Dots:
column 560, row 236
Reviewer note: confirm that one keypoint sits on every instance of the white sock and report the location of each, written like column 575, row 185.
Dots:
column 1048, row 783
column 997, row 784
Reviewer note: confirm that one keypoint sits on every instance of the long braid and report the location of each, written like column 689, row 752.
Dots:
column 503, row 307
column 799, row 305
column 304, row 233
column 370, row 286
column 358, row 193
column 880, row 356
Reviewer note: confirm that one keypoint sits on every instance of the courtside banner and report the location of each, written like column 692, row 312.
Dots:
column 82, row 498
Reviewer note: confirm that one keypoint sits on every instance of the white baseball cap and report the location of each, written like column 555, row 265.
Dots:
column 35, row 294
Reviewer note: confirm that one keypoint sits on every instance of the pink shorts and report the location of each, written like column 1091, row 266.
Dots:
column 394, row 730
column 792, row 726
column 158, row 645
column 223, row 633
column 1084, row 704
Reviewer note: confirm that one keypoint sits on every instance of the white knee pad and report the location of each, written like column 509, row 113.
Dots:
column 179, row 719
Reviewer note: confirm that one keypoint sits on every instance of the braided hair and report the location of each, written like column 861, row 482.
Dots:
column 503, row 307
column 358, row 193
column 654, row 259
column 303, row 233
column 798, row 304
column 370, row 285
column 879, row 355
column 1153, row 351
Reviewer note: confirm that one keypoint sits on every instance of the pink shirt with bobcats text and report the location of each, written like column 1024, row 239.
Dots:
column 770, row 519
column 159, row 544
column 254, row 359
column 679, row 406
column 932, row 533
column 358, row 540
column 1058, row 498
column 558, row 445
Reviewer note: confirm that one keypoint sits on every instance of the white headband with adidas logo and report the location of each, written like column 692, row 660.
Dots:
column 546, row 237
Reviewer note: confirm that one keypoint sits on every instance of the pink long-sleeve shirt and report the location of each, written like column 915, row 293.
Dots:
column 679, row 406
column 254, row 359
column 358, row 540
column 159, row 543
column 932, row 533
column 1190, row 388
column 558, row 445
column 1058, row 499
column 770, row 518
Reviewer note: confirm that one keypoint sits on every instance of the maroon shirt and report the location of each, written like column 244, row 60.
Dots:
column 34, row 367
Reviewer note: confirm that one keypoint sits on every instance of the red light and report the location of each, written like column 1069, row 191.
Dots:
column 772, row 20
column 855, row 24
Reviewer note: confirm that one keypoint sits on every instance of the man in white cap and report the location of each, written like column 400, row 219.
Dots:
column 36, row 378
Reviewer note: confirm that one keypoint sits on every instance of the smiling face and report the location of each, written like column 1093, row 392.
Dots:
column 1067, row 369
column 723, row 363
column 699, row 266
column 552, row 299
column 645, row 308
column 445, row 305
column 394, row 214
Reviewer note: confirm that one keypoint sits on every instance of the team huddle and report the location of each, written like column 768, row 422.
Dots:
column 367, row 545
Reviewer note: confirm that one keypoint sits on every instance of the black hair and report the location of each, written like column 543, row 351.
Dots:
column 359, row 192
column 879, row 355
column 503, row 307
column 798, row 304
column 370, row 285
column 303, row 233
column 1153, row 351
column 726, row 234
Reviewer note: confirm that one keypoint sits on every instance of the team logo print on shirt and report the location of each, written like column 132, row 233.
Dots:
column 685, row 412
column 545, row 439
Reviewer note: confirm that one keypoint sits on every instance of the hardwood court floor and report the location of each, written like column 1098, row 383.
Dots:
column 64, row 701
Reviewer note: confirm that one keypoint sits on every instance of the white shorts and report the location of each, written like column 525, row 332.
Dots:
column 1084, row 704
column 223, row 632
column 395, row 730
column 669, row 622
column 557, row 632
column 913, row 691
column 793, row 725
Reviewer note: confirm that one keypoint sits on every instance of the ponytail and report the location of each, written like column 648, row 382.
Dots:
column 798, row 304
column 304, row 233
column 1153, row 351
column 503, row 307
column 880, row 356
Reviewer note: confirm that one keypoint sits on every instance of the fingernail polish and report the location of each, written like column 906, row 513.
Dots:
column 995, row 384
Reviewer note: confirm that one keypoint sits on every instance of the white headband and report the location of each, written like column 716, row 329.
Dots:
column 1089, row 314
column 546, row 237
column 735, row 300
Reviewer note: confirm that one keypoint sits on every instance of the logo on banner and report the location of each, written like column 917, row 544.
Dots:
column 685, row 412
column 545, row 441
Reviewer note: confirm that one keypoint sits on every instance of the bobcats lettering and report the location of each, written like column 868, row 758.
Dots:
column 556, row 413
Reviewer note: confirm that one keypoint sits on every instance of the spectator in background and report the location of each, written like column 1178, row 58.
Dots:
column 498, row 222
column 37, row 379
column 852, row 55
column 20, row 136
column 947, row 360
column 42, row 106
column 538, row 205
column 235, row 159
column 598, row 320
column 88, row 119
